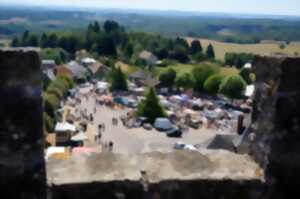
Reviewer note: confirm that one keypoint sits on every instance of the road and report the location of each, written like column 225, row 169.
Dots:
column 135, row 140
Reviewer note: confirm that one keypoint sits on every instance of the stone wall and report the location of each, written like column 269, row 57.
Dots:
column 276, row 120
column 22, row 166
column 171, row 189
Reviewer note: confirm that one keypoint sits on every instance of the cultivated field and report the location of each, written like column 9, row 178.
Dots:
column 261, row 49
column 187, row 68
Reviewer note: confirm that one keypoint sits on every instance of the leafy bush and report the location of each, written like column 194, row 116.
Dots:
column 167, row 79
column 245, row 73
column 59, row 55
column 238, row 59
column 48, row 122
column 185, row 81
column 51, row 103
column 118, row 80
column 233, row 87
column 201, row 73
column 212, row 84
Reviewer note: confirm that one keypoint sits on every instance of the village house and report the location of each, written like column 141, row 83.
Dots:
column 143, row 78
column 48, row 67
column 63, row 70
column 149, row 57
column 79, row 72
column 98, row 70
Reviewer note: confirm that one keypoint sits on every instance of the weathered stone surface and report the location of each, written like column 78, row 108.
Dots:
column 181, row 174
column 179, row 165
column 22, row 167
column 276, row 120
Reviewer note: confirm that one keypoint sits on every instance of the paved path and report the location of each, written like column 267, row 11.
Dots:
column 136, row 140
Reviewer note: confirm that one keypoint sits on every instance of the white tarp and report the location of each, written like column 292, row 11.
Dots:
column 88, row 60
column 54, row 150
column 79, row 137
column 249, row 90
column 63, row 127
column 102, row 85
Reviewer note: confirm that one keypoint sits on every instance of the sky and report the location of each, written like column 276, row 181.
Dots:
column 274, row 7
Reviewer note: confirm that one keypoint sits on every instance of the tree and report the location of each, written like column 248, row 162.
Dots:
column 233, row 86
column 201, row 73
column 118, row 80
column 195, row 47
column 245, row 73
column 106, row 46
column 25, row 38
column 210, row 52
column 48, row 122
column 167, row 79
column 180, row 53
column 128, row 51
column 44, row 41
column 33, row 41
column 51, row 103
column 110, row 26
column 96, row 27
column 185, row 81
column 53, row 41
column 199, row 57
column 15, row 42
column 212, row 84
column 150, row 107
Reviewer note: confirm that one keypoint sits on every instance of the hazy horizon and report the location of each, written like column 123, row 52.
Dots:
column 262, row 7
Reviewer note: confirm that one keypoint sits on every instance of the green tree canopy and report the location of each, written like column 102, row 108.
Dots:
column 150, row 107
column 25, row 38
column 110, row 26
column 59, row 55
column 167, row 79
column 210, row 52
column 118, row 80
column 245, row 73
column 185, row 81
column 48, row 122
column 33, row 41
column 195, row 47
column 233, row 86
column 212, row 83
column 15, row 42
column 201, row 73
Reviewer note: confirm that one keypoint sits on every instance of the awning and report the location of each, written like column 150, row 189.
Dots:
column 63, row 127
column 79, row 137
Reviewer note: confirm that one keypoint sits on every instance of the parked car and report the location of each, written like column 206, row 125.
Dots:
column 174, row 132
column 182, row 146
column 163, row 124
column 179, row 145
column 147, row 126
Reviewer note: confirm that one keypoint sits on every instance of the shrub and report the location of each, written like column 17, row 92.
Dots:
column 212, row 84
column 185, row 81
column 245, row 73
column 167, row 79
column 48, row 122
column 233, row 87
column 201, row 73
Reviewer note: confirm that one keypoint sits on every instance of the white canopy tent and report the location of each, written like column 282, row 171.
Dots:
column 79, row 137
column 65, row 126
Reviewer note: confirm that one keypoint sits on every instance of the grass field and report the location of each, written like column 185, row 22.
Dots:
column 260, row 49
column 4, row 42
column 187, row 68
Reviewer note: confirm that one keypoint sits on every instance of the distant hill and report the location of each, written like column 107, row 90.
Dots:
column 235, row 28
